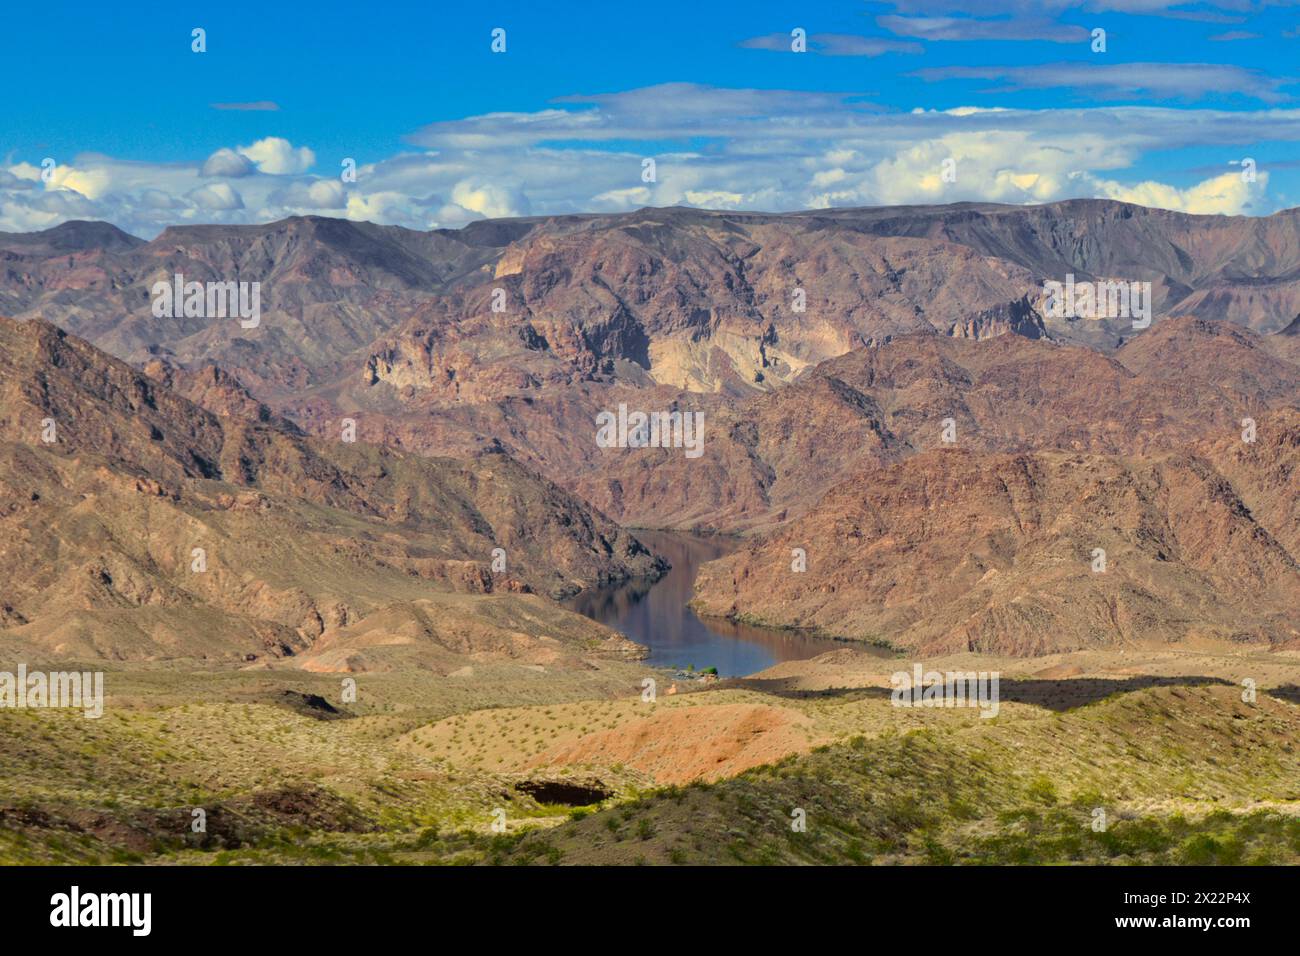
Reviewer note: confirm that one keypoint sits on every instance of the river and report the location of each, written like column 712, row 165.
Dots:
column 656, row 616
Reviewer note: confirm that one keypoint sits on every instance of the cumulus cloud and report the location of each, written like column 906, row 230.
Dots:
column 278, row 157
column 226, row 162
column 490, row 200
column 17, row 217
column 998, row 166
column 621, row 200
column 314, row 195
column 216, row 197
column 91, row 183
column 398, row 208
column 750, row 149
column 41, row 210
column 715, row 198
column 157, row 199
column 1228, row 194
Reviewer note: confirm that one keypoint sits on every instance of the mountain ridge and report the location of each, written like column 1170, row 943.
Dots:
column 112, row 482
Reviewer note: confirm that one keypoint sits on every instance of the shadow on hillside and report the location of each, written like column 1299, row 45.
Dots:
column 310, row 705
column 1060, row 695
column 1287, row 692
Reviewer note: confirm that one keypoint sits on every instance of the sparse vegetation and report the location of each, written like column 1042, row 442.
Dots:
column 1182, row 775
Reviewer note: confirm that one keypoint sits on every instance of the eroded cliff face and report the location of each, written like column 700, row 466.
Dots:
column 140, row 525
column 1034, row 553
column 824, row 351
column 698, row 300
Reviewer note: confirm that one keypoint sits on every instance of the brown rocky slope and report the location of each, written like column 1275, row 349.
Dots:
column 954, row 550
column 297, row 536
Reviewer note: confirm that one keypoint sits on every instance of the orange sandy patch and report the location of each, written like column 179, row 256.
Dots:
column 683, row 744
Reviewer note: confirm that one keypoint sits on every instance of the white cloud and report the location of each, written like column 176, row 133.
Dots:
column 752, row 149
column 16, row 217
column 278, row 157
column 157, row 199
column 715, row 198
column 1227, row 194
column 216, row 197
column 91, row 183
column 318, row 194
column 26, row 171
column 392, row 207
column 834, row 44
column 226, row 162
column 489, row 200
column 1172, row 81
column 971, row 28
column 633, row 197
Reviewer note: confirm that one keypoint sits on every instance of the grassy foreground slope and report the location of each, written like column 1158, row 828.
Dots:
column 1182, row 775
column 282, row 768
column 1182, row 771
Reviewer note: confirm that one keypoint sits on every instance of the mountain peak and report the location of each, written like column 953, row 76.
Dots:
column 75, row 235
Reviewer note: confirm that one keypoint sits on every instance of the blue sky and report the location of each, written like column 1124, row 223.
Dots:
column 144, row 132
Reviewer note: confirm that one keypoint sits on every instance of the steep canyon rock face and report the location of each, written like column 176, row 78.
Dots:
column 829, row 352
column 771, row 455
column 704, row 301
column 1035, row 553
column 137, row 524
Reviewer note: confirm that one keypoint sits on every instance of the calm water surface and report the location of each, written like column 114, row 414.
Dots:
column 656, row 615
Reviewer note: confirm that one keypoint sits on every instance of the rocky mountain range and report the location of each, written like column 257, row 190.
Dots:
column 1036, row 552
column 692, row 298
column 138, row 525
column 887, row 389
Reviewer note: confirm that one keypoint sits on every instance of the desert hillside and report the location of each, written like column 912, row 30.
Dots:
column 326, row 564
column 147, row 527
column 694, row 299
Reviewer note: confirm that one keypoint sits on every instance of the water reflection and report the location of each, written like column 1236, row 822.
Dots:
column 656, row 615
